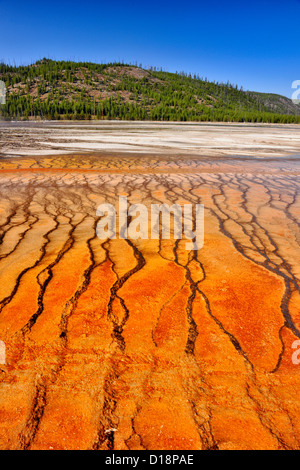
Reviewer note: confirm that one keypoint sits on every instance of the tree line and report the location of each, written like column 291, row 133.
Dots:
column 81, row 90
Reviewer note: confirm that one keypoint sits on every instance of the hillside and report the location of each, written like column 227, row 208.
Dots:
column 276, row 103
column 70, row 90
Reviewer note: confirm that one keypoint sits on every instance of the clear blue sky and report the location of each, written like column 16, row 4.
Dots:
column 255, row 44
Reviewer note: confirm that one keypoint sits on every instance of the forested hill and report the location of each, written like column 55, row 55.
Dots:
column 68, row 90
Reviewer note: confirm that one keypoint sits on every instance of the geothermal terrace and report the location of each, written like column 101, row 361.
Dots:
column 140, row 344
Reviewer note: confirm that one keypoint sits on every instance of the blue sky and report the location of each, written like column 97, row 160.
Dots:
column 254, row 44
